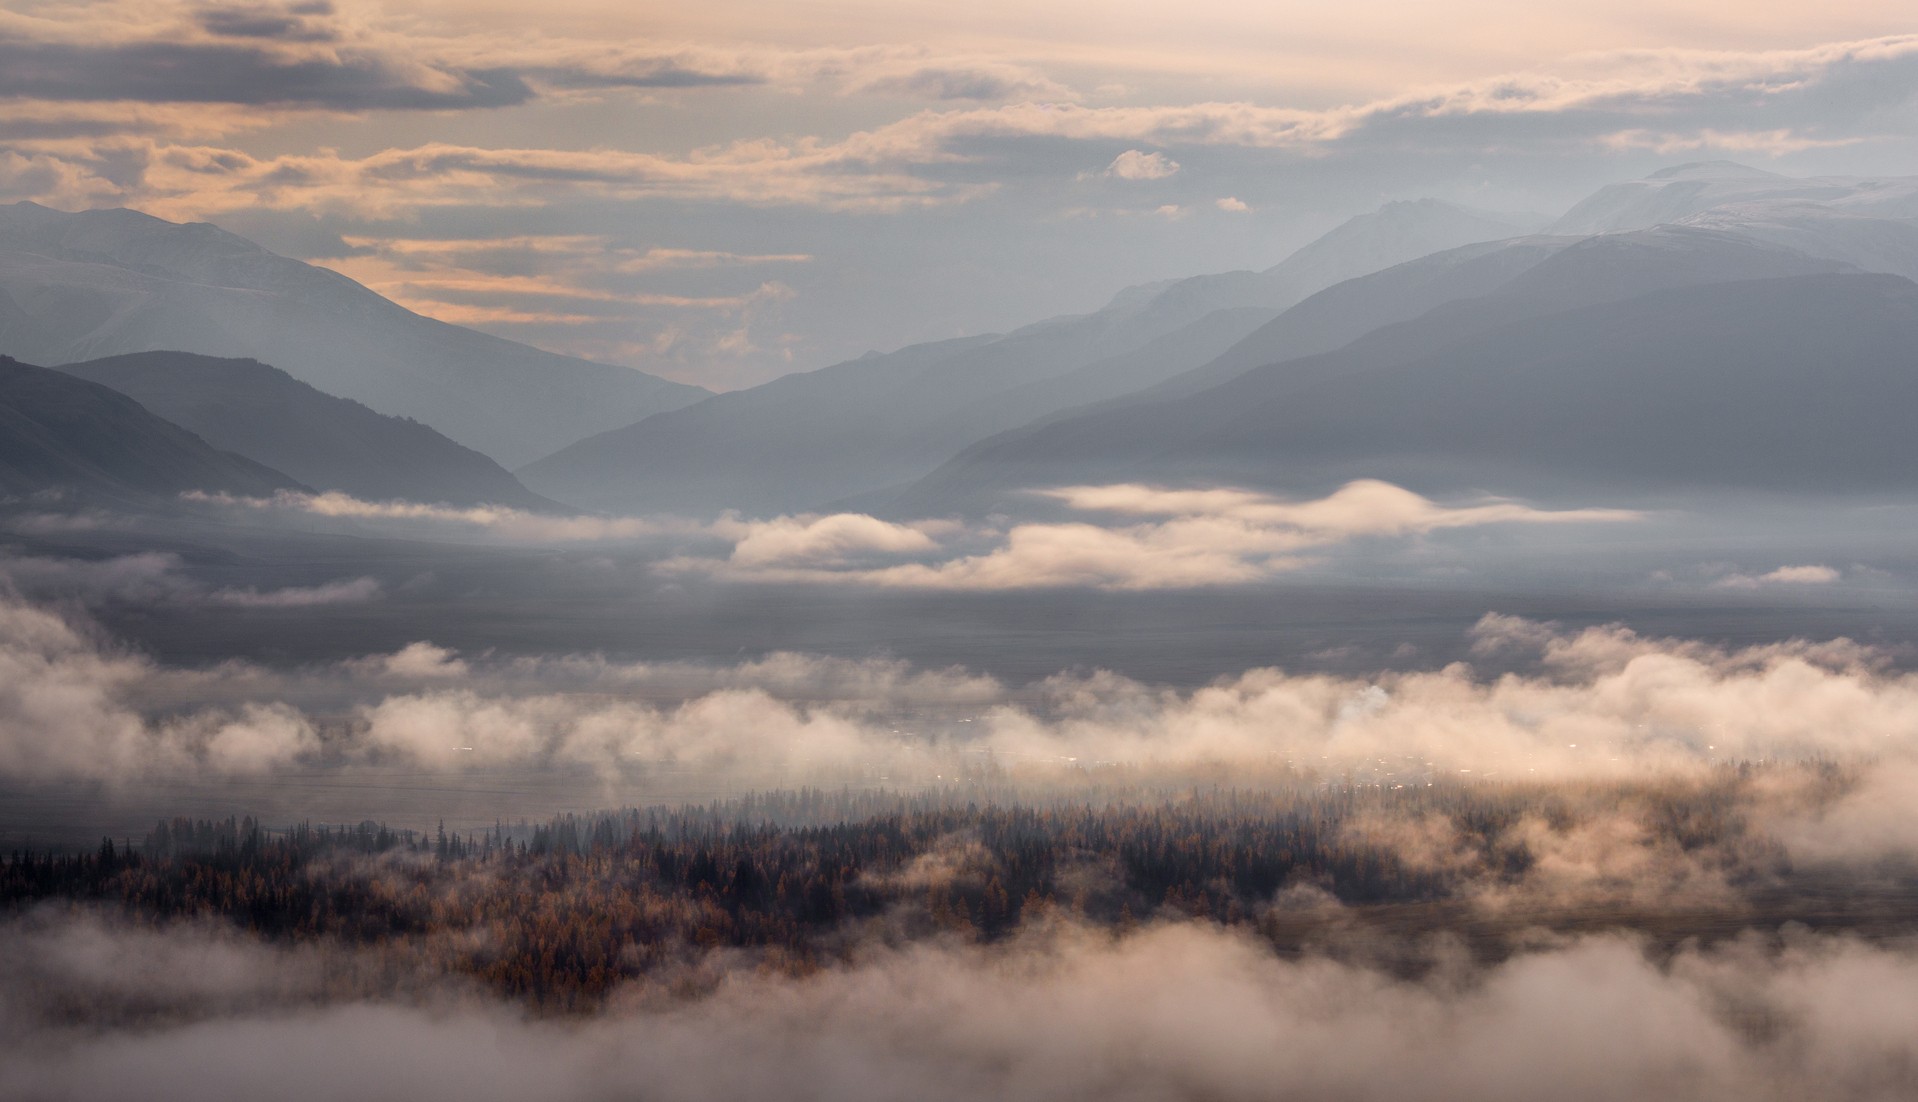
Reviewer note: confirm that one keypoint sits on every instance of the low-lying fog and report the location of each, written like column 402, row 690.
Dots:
column 328, row 660
column 1173, row 588
column 1175, row 1011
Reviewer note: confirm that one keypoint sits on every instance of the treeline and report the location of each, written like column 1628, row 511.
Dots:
column 559, row 913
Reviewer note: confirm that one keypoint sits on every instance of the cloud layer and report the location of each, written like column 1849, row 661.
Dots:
column 1599, row 703
column 1180, row 1010
column 1151, row 538
column 1194, row 538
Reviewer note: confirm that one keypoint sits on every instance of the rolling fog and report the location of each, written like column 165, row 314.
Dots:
column 1175, row 1010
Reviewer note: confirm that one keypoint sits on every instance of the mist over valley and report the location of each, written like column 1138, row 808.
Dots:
column 885, row 552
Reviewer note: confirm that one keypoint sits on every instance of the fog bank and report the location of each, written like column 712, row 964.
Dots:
column 1173, row 1011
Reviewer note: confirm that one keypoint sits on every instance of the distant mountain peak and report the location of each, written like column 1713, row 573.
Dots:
column 1682, row 191
column 1713, row 170
column 1424, row 203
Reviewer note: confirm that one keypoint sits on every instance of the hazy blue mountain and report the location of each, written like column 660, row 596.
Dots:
column 261, row 412
column 1324, row 321
column 1798, row 384
column 1303, row 421
column 61, row 434
column 855, row 428
column 1393, row 234
column 1346, row 311
column 81, row 286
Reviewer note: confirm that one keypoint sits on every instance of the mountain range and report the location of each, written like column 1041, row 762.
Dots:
column 857, row 428
column 1305, row 422
column 1708, row 326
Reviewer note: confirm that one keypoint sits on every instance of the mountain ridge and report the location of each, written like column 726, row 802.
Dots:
column 64, row 435
column 1165, row 438
column 258, row 411
column 856, row 427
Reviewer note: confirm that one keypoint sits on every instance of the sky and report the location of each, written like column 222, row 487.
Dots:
column 724, row 193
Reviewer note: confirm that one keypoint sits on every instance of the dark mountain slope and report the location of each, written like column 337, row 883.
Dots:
column 329, row 443
column 66, row 435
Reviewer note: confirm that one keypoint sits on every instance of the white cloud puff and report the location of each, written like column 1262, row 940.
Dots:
column 1784, row 575
column 822, row 541
column 66, row 710
column 1136, row 164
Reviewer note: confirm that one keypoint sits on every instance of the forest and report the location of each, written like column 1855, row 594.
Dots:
column 559, row 914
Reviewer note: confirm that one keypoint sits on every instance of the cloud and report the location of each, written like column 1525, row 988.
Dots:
column 1609, row 702
column 159, row 578
column 1784, row 575
column 65, row 711
column 1231, row 205
column 197, row 182
column 827, row 541
column 148, row 576
column 423, row 661
column 1603, row 706
column 1771, row 101
column 1207, row 537
column 309, row 56
column 880, row 71
column 1602, row 703
column 229, row 73
column 1764, row 100
column 1869, row 821
column 1136, row 165
column 584, row 295
column 1688, row 91
column 1194, row 538
column 348, row 592
column 806, row 541
column 1365, row 507
column 300, row 22
column 590, row 269
column 506, row 523
column 1175, row 1010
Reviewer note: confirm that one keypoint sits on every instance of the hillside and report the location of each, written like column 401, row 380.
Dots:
column 70, row 437
column 261, row 412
